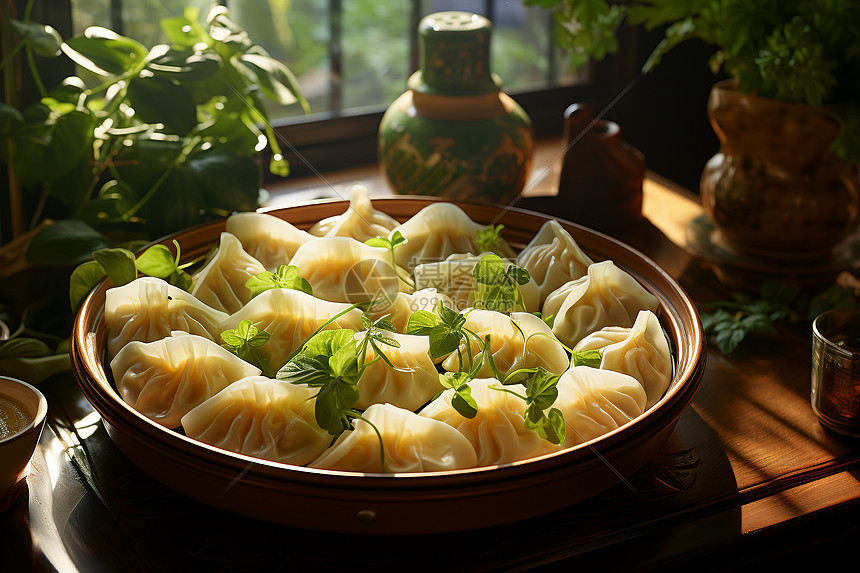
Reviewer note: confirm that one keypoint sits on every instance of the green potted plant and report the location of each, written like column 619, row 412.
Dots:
column 788, row 120
column 140, row 143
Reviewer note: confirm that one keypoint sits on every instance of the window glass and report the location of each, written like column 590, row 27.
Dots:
column 354, row 55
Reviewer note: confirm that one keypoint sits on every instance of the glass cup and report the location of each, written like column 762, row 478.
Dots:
column 836, row 370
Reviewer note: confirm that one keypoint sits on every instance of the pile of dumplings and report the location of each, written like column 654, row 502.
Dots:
column 167, row 363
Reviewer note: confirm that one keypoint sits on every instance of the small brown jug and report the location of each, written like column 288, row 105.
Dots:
column 600, row 185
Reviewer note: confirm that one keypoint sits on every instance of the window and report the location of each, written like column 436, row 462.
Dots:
column 353, row 57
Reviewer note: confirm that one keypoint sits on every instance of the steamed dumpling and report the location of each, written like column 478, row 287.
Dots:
column 263, row 418
column 399, row 309
column 148, row 309
column 410, row 390
column 553, row 258
column 455, row 277
column 270, row 240
column 411, row 443
column 606, row 296
column 641, row 351
column 532, row 344
column 594, row 402
column 341, row 269
column 165, row 379
column 360, row 221
column 221, row 281
column 434, row 233
column 290, row 317
column 497, row 432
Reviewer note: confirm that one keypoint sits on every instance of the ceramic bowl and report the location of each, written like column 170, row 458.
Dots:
column 401, row 503
column 17, row 449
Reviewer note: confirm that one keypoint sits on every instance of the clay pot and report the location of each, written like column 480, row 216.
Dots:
column 775, row 189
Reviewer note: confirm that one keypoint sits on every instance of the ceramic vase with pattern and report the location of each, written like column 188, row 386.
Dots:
column 454, row 132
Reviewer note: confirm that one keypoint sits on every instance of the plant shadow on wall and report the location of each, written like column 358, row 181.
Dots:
column 141, row 143
column 796, row 65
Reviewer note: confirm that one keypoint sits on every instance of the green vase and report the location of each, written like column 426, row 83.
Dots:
column 454, row 132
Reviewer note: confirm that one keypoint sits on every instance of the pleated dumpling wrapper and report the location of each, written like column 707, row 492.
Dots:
column 148, row 309
column 497, row 432
column 270, row 240
column 409, row 387
column 521, row 340
column 594, row 402
column 455, row 277
column 165, row 379
column 360, row 221
column 436, row 232
column 262, row 418
column 341, row 269
column 290, row 317
column 553, row 258
column 411, row 443
column 641, row 351
column 400, row 308
column 605, row 296
column 220, row 283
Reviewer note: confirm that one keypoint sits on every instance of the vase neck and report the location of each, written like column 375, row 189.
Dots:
column 454, row 55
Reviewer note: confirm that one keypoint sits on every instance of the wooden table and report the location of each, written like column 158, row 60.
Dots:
column 748, row 478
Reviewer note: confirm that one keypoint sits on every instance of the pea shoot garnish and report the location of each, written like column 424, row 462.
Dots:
column 286, row 276
column 391, row 244
column 496, row 286
column 462, row 400
column 244, row 340
column 490, row 241
column 541, row 393
column 446, row 330
column 590, row 358
column 334, row 361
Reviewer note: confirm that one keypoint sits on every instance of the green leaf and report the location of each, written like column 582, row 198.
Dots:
column 104, row 52
column 157, row 261
column 443, row 341
column 186, row 30
column 328, row 342
column 421, row 323
column 275, row 79
column 44, row 40
column 183, row 65
column 206, row 186
column 489, row 269
column 84, row 278
column 24, row 348
column 590, row 358
column 286, row 276
column 159, row 100
column 462, row 400
column 66, row 242
column 119, row 264
column 55, row 147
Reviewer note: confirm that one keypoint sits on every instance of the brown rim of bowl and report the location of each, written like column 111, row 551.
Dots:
column 677, row 313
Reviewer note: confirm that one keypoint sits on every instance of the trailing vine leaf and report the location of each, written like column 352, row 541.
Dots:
column 157, row 261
